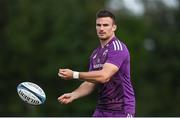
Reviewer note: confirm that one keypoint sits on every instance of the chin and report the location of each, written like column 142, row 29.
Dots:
column 103, row 39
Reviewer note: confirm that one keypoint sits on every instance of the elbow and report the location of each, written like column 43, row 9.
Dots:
column 104, row 79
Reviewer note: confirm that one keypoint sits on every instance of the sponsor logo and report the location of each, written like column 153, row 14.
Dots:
column 28, row 99
column 97, row 66
column 94, row 56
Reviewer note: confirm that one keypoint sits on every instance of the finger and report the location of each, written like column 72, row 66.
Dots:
column 61, row 70
column 61, row 97
column 64, row 101
column 61, row 101
column 60, row 75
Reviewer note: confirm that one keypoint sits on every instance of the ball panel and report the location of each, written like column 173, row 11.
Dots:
column 34, row 87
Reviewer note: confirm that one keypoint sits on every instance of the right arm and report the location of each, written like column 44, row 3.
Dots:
column 84, row 89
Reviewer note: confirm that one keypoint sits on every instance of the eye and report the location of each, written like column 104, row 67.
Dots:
column 105, row 25
column 98, row 25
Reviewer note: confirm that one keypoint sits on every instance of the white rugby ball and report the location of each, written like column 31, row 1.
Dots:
column 31, row 93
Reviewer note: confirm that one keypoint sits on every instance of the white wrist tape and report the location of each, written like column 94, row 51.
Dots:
column 75, row 75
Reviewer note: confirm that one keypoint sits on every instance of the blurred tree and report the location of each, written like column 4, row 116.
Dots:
column 38, row 38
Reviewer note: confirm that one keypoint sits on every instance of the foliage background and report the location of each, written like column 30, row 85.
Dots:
column 39, row 37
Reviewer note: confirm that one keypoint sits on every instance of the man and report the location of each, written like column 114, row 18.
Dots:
column 109, row 70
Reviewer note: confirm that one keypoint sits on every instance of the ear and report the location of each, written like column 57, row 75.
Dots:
column 114, row 27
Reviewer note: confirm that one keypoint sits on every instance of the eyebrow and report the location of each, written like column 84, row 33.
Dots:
column 105, row 24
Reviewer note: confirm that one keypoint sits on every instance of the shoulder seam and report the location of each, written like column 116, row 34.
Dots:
column 117, row 45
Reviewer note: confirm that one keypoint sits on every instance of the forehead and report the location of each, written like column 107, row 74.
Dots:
column 104, row 20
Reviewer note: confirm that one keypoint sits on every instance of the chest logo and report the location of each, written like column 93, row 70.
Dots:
column 105, row 52
column 94, row 56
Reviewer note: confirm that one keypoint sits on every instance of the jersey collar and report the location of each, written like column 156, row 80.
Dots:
column 114, row 38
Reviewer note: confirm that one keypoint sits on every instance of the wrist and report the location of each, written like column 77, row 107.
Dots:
column 74, row 95
column 75, row 75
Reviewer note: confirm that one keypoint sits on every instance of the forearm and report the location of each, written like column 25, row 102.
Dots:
column 94, row 76
column 99, row 76
column 84, row 89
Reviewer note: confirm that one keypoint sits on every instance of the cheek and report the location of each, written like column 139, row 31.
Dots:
column 110, row 30
column 97, row 29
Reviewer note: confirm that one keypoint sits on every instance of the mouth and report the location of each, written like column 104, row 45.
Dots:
column 102, row 33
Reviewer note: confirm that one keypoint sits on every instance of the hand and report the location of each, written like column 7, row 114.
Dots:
column 66, row 74
column 66, row 98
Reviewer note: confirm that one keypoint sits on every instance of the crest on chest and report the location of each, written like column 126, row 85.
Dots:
column 99, row 59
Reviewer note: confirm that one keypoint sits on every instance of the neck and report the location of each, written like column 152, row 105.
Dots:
column 105, row 41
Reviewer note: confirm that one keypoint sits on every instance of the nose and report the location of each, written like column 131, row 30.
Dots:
column 101, row 27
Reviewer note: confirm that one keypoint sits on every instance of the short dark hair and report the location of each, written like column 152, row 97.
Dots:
column 105, row 13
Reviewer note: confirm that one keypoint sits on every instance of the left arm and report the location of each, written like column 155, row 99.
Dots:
column 99, row 76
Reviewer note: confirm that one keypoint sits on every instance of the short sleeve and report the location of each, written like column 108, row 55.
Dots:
column 117, row 57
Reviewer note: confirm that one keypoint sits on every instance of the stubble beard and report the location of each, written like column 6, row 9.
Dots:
column 104, row 38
